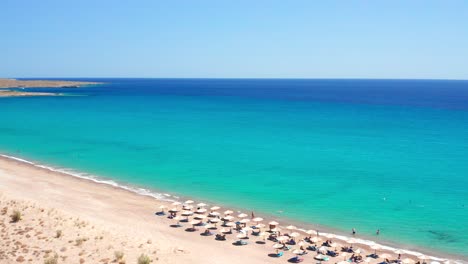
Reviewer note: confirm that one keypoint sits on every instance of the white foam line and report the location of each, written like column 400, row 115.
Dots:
column 165, row 197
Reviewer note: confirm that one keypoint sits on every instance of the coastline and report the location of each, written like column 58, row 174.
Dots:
column 166, row 199
column 14, row 83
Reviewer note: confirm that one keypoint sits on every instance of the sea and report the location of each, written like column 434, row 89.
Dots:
column 334, row 154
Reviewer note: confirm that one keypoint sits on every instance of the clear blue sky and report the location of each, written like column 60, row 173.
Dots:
column 290, row 39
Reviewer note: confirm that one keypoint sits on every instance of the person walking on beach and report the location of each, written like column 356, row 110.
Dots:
column 354, row 231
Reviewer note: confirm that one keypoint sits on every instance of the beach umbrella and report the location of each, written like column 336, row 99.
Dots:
column 246, row 229
column 291, row 227
column 195, row 222
column 343, row 262
column 214, row 214
column 260, row 226
column 200, row 216
column 310, row 232
column 216, row 220
column 242, row 215
column 187, row 207
column 189, row 202
column 368, row 260
column 176, row 203
column 408, row 261
column 298, row 251
column 214, row 208
column 244, row 221
column 275, row 229
column 330, row 236
column 242, row 236
column 294, row 234
column 282, row 238
column 208, row 226
column 231, row 224
column 162, row 207
column 358, row 251
column 201, row 204
column 278, row 246
column 302, row 243
column 228, row 212
column 315, row 239
column 274, row 223
column 323, row 249
column 228, row 218
column 174, row 210
column 186, row 213
column 257, row 219
column 201, row 211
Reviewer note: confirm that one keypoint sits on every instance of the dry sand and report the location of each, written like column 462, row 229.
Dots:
column 13, row 83
column 96, row 220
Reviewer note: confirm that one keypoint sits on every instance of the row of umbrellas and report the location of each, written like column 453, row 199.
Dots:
column 228, row 217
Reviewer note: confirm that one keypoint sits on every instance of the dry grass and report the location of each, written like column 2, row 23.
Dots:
column 144, row 259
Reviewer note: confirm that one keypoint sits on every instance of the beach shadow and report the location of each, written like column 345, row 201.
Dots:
column 160, row 213
column 261, row 242
column 273, row 255
column 190, row 229
column 175, row 226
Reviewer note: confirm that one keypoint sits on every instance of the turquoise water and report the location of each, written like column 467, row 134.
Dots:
column 388, row 155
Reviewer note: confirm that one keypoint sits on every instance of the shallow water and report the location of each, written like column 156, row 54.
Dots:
column 369, row 154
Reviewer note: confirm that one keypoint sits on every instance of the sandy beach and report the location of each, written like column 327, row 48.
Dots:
column 86, row 222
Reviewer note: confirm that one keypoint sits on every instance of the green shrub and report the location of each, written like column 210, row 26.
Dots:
column 144, row 259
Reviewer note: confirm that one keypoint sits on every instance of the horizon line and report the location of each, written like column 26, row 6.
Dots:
column 247, row 78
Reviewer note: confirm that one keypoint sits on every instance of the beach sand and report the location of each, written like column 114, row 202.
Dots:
column 96, row 220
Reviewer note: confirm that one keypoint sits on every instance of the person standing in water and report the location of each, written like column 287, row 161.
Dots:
column 377, row 232
column 354, row 231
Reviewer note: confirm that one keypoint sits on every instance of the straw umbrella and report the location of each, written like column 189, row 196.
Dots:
column 228, row 212
column 200, row 217
column 310, row 232
column 189, row 202
column 257, row 219
column 298, row 252
column 282, row 238
column 323, row 249
column 273, row 223
column 244, row 221
column 278, row 246
column 224, row 230
column 215, row 208
column 201, row 211
column 242, row 215
column 162, row 207
column 315, row 239
column 214, row 214
column 201, row 204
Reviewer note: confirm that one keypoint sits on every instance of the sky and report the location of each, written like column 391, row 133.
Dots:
column 234, row 39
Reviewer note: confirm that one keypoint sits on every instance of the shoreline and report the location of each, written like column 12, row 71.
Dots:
column 166, row 199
